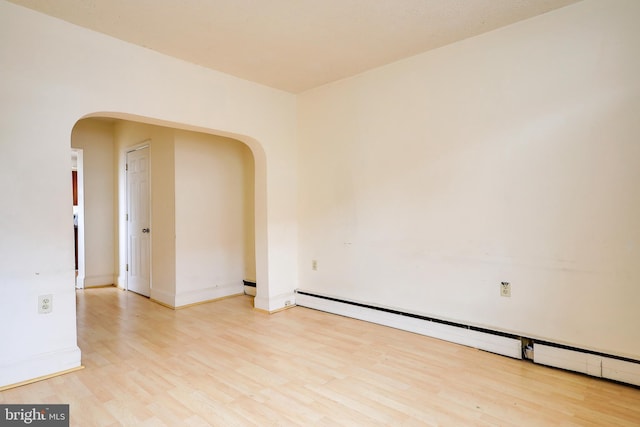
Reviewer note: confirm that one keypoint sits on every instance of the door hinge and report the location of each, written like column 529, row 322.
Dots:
column 127, row 215
column 126, row 166
column 127, row 267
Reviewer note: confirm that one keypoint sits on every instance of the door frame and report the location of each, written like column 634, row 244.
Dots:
column 79, row 279
column 144, row 144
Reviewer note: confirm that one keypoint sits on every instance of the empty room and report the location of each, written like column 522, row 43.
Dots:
column 394, row 212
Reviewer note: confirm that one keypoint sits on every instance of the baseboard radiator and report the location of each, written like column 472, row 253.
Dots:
column 588, row 362
column 546, row 353
column 249, row 288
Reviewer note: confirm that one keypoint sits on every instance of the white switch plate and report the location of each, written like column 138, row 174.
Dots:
column 45, row 304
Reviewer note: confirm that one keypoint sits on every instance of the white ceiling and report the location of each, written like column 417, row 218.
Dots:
column 293, row 45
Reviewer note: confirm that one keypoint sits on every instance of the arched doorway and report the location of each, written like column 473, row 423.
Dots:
column 182, row 142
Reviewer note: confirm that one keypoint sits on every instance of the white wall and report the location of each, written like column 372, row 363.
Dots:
column 512, row 156
column 53, row 74
column 95, row 138
column 211, row 206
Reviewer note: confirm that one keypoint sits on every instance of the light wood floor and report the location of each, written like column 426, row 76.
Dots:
column 225, row 364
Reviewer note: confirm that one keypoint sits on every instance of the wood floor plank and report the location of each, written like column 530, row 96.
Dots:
column 226, row 364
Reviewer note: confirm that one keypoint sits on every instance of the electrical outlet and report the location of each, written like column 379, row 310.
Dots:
column 287, row 303
column 505, row 289
column 45, row 304
column 314, row 265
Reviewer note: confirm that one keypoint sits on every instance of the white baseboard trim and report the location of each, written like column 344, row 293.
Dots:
column 208, row 294
column 93, row 281
column 495, row 343
column 164, row 298
column 275, row 303
column 39, row 366
column 596, row 365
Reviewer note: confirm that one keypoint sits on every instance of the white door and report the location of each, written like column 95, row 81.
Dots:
column 138, row 222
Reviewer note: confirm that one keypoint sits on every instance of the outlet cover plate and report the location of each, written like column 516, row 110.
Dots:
column 45, row 304
column 505, row 289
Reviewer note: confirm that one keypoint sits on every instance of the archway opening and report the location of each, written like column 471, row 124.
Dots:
column 208, row 207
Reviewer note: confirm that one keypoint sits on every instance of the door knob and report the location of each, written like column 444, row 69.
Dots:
column 145, row 230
